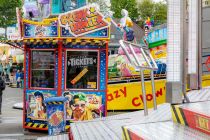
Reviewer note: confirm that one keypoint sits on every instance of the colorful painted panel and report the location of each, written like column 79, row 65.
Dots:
column 35, row 106
column 63, row 70
column 128, row 96
column 40, row 30
column 56, row 70
column 159, row 52
column 56, row 115
column 103, row 33
column 83, row 21
column 103, row 70
column 84, row 105
column 27, row 69
column 157, row 35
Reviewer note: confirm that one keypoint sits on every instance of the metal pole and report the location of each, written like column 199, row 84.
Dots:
column 153, row 90
column 144, row 93
column 200, row 21
column 183, row 47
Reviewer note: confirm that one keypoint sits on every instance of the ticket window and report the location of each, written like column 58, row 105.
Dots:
column 82, row 70
column 42, row 69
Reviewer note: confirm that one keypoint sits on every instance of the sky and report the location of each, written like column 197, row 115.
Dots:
column 154, row 0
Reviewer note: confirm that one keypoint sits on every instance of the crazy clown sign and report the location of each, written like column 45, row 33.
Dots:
column 83, row 21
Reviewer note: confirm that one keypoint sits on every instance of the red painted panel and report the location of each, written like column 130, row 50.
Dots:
column 197, row 121
column 134, row 136
column 60, row 45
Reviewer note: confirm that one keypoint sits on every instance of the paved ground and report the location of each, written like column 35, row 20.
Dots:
column 11, row 119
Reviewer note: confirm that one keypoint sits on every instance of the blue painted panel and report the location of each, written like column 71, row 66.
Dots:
column 103, row 70
column 56, row 70
column 27, row 69
column 40, row 31
column 157, row 35
column 103, row 33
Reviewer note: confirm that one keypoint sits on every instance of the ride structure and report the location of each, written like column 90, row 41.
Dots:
column 66, row 56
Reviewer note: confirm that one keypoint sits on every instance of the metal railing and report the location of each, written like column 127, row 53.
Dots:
column 151, row 65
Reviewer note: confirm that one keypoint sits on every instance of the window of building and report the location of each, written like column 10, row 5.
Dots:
column 42, row 69
column 81, row 71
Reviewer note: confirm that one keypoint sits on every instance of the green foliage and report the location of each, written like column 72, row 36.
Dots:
column 129, row 5
column 156, row 11
column 160, row 15
column 8, row 12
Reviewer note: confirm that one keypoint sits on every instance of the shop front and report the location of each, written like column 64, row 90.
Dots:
column 67, row 60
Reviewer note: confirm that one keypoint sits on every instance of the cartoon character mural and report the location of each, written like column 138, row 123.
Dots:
column 82, row 106
column 36, row 109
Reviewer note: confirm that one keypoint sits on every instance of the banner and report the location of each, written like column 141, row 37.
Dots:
column 44, row 29
column 83, row 21
column 129, row 95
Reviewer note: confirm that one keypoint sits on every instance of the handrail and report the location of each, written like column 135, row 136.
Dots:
column 137, row 63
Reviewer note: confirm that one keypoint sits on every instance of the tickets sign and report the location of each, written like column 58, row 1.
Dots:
column 83, row 21
column 129, row 95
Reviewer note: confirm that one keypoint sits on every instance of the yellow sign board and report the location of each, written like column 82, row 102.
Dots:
column 127, row 96
column 79, row 76
column 158, row 52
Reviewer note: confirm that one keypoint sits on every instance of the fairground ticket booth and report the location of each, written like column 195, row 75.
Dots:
column 66, row 56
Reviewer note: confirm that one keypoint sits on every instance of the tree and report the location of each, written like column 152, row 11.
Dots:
column 156, row 11
column 8, row 12
column 129, row 5
column 160, row 13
